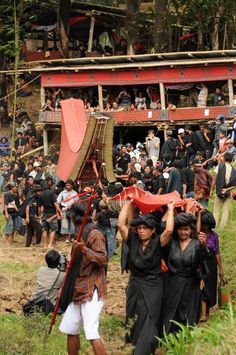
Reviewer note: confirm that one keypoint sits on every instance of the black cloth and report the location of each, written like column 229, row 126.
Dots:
column 31, row 227
column 193, row 139
column 187, row 176
column 168, row 150
column 209, row 292
column 182, row 297
column 144, row 305
column 47, row 199
column 144, row 293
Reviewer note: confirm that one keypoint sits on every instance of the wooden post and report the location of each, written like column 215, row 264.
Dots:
column 162, row 96
column 91, row 30
column 231, row 92
column 42, row 96
column 45, row 142
column 100, row 98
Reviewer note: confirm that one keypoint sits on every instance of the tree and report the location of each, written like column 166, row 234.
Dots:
column 131, row 23
column 160, row 26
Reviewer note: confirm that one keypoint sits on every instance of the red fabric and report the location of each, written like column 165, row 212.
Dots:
column 153, row 202
column 73, row 128
column 129, row 193
column 146, row 202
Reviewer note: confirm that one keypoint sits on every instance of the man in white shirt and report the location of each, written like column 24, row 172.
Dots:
column 66, row 199
column 153, row 146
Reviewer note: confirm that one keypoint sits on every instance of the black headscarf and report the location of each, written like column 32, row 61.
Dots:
column 147, row 219
column 208, row 219
column 185, row 219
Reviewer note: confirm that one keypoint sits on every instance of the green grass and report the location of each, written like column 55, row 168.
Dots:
column 29, row 335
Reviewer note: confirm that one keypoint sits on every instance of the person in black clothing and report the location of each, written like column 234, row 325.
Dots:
column 187, row 176
column 168, row 150
column 158, row 181
column 182, row 296
column 191, row 145
column 29, row 186
column 20, row 143
column 123, row 159
column 145, row 287
column 208, row 137
column 32, row 219
column 11, row 207
column 49, row 210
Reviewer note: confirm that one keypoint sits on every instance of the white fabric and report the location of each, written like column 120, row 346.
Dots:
column 84, row 314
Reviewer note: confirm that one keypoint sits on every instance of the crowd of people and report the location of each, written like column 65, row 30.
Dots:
column 168, row 252
column 136, row 99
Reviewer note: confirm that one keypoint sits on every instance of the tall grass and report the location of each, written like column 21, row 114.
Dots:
column 215, row 337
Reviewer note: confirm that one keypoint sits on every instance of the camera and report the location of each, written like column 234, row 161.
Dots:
column 62, row 263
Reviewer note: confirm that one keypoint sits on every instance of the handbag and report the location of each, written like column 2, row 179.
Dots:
column 223, row 296
column 41, row 304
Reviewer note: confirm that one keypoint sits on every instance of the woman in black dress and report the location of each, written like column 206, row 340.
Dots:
column 213, row 259
column 145, row 288
column 182, row 296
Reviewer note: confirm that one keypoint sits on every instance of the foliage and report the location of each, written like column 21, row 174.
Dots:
column 218, row 333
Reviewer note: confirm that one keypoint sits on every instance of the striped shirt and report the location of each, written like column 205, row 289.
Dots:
column 92, row 269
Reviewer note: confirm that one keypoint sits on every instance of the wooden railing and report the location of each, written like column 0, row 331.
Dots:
column 128, row 117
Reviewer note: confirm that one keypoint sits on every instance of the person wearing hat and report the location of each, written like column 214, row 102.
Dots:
column 11, row 206
column 185, row 253
column 213, row 261
column 181, row 149
column 37, row 173
column 145, row 287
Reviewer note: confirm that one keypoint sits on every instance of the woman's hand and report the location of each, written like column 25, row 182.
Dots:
column 223, row 280
column 202, row 238
column 171, row 206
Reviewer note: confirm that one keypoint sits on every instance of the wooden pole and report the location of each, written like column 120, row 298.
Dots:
column 91, row 30
column 32, row 152
column 100, row 98
column 45, row 142
column 162, row 96
column 42, row 96
column 231, row 92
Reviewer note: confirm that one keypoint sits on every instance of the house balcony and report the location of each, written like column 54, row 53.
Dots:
column 150, row 116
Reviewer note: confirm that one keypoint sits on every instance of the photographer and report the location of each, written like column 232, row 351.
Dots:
column 153, row 146
column 50, row 277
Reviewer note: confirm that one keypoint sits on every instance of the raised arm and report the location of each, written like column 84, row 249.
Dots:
column 126, row 213
column 166, row 235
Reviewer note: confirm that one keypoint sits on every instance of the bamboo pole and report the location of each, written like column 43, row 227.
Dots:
column 45, row 142
column 91, row 30
column 231, row 92
column 17, row 55
column 32, row 152
column 100, row 97
column 162, row 95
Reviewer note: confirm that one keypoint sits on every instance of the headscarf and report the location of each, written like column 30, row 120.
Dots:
column 147, row 219
column 185, row 219
column 208, row 219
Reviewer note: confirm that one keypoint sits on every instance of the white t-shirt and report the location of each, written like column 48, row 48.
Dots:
column 152, row 150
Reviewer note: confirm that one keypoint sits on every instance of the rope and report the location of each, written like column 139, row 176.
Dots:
column 13, row 92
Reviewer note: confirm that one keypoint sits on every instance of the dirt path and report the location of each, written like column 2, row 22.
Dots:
column 18, row 267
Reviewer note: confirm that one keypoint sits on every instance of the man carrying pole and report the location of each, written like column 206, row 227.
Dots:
column 86, row 283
